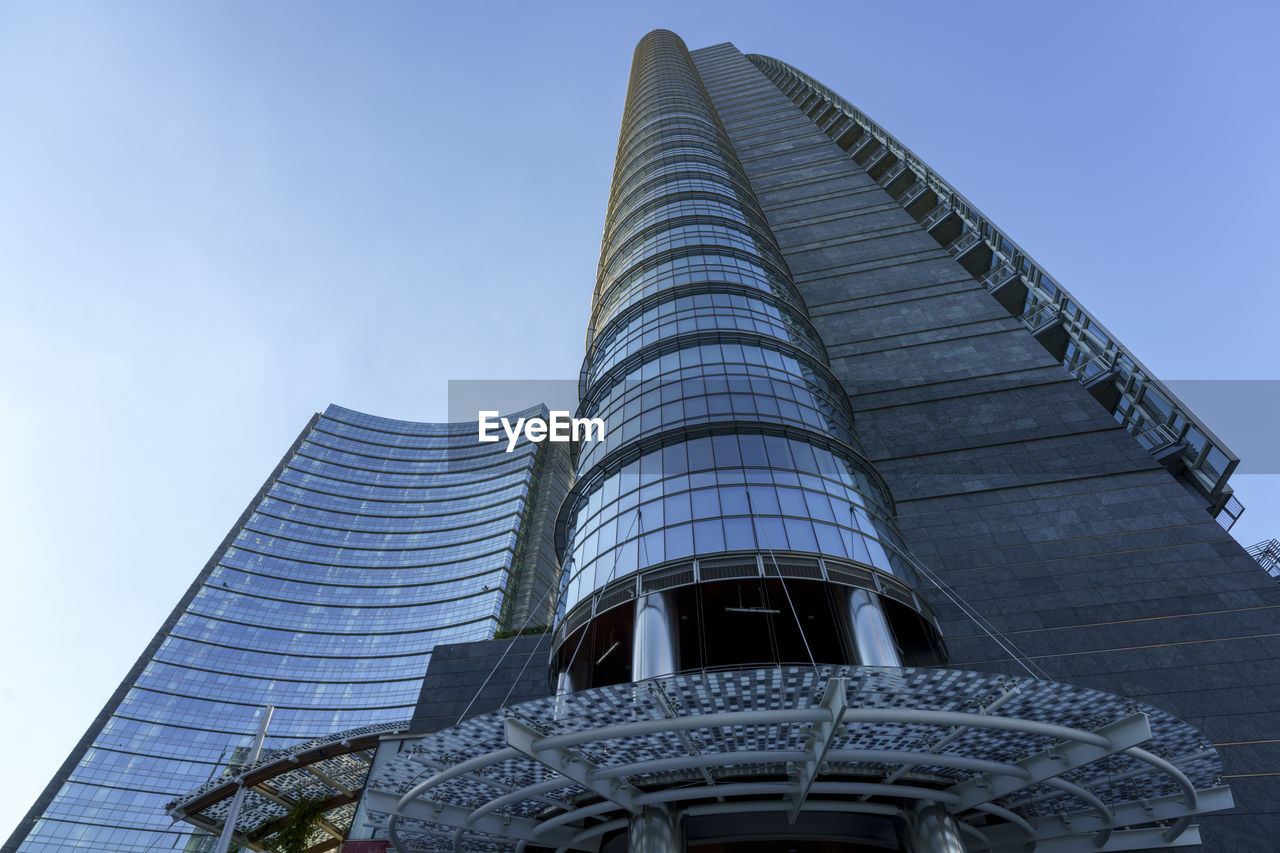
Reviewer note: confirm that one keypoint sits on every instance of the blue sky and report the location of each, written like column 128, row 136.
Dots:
column 217, row 218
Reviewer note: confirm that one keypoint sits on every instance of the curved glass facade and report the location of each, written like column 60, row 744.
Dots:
column 372, row 542
column 727, row 433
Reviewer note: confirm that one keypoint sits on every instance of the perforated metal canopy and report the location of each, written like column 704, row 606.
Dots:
column 330, row 770
column 1016, row 761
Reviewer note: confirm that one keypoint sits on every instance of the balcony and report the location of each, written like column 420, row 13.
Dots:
column 828, row 116
column 1098, row 375
column 972, row 251
column 897, row 179
column 1268, row 556
column 913, row 193
column 919, row 200
column 964, row 243
column 881, row 163
column 997, row 277
column 849, row 136
column 835, row 125
column 1008, row 287
column 943, row 224
column 863, row 151
column 1163, row 445
column 1047, row 326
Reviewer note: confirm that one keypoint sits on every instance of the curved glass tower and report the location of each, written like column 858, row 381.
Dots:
column 730, row 517
column 373, row 541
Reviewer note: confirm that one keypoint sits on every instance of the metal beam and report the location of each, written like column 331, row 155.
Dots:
column 503, row 785
column 1085, row 795
column 1121, row 839
column 1012, row 817
column 269, row 828
column 1162, row 764
column 558, row 821
column 571, row 765
column 1058, row 759
column 1138, row 770
column 1006, row 694
column 655, row 687
column 1133, row 813
column 498, row 755
column 530, row 792
column 674, row 795
column 819, row 741
column 328, row 780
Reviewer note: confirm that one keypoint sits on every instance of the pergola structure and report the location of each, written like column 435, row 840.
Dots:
column 332, row 771
column 1019, row 764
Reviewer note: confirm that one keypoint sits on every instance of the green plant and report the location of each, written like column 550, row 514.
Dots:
column 300, row 823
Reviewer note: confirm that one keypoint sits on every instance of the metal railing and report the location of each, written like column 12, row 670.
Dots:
column 997, row 275
column 893, row 172
column 1038, row 318
column 1090, row 369
column 1267, row 553
column 913, row 192
column 1154, row 436
column 964, row 243
column 939, row 213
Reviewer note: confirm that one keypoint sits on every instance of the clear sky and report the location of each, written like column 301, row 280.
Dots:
column 218, row 217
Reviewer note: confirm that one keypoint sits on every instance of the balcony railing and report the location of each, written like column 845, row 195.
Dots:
column 1092, row 368
column 964, row 243
column 893, row 172
column 1038, row 318
column 913, row 192
column 997, row 275
column 1268, row 556
column 876, row 158
column 939, row 213
column 1154, row 436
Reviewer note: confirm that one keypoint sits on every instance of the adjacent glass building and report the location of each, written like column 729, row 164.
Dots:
column 373, row 541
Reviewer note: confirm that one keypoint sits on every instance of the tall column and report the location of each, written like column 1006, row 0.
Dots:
column 872, row 638
column 933, row 830
column 654, row 646
column 657, row 829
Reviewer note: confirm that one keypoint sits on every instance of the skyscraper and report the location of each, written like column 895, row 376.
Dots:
column 852, row 427
column 373, row 541
column 889, row 544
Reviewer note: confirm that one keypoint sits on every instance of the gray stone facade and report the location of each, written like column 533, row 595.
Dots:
column 476, row 678
column 1011, row 481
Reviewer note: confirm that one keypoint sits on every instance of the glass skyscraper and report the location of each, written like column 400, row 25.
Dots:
column 372, row 542
column 888, row 545
column 731, row 460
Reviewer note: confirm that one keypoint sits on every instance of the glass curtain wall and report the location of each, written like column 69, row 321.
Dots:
column 373, row 541
column 727, row 435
